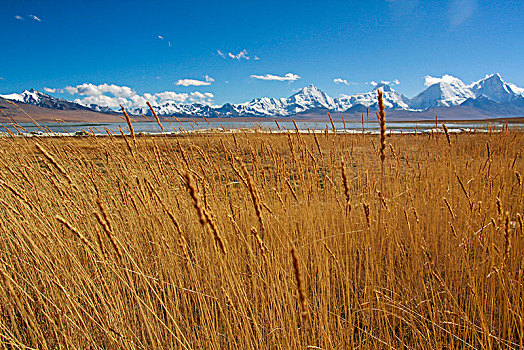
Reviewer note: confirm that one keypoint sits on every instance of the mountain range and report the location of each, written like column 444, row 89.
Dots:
column 37, row 98
column 448, row 97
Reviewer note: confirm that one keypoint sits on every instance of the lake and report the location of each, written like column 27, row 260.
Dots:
column 175, row 127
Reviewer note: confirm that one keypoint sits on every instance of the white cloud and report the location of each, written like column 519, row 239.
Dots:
column 111, row 95
column 343, row 81
column 191, row 82
column 194, row 82
column 200, row 97
column 35, row 18
column 387, row 82
column 20, row 18
column 239, row 56
column 429, row 80
column 97, row 90
column 49, row 90
column 287, row 77
column 2, row 78
column 104, row 101
column 170, row 96
column 161, row 37
column 72, row 90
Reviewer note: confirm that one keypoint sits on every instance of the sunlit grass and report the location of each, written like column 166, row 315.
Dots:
column 186, row 242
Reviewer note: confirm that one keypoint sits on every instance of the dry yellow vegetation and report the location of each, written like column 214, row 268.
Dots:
column 262, row 241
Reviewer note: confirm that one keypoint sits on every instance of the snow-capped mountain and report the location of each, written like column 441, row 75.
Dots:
column 100, row 109
column 490, row 96
column 392, row 99
column 448, row 91
column 31, row 97
column 496, row 89
column 308, row 98
column 259, row 107
column 37, row 98
column 175, row 108
column 482, row 103
column 305, row 99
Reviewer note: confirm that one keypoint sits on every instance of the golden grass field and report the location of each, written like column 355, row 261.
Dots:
column 262, row 241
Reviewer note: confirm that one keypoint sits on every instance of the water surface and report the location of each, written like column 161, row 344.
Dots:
column 174, row 127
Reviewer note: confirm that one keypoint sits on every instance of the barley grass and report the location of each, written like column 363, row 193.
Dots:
column 245, row 241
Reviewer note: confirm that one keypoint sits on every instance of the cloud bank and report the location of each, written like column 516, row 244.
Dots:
column 112, row 96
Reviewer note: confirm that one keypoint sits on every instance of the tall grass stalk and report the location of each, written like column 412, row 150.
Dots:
column 185, row 241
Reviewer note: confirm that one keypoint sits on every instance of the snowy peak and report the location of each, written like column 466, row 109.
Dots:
column 496, row 78
column 392, row 99
column 442, row 92
column 310, row 97
column 307, row 98
column 32, row 96
column 37, row 98
column 177, row 109
column 490, row 95
column 496, row 89
column 310, row 90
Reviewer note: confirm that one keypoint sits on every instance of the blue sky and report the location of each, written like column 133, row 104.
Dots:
column 226, row 48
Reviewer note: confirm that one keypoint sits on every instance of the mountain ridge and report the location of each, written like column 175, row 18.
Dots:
column 490, row 97
column 41, row 99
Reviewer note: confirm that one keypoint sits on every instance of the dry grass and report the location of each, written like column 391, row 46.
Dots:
column 254, row 241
